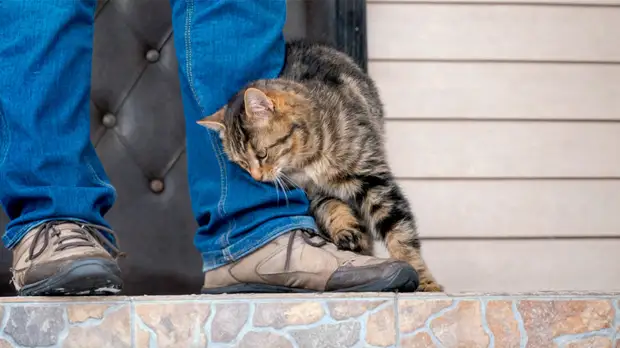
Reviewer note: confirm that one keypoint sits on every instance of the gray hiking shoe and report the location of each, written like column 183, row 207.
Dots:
column 302, row 261
column 66, row 258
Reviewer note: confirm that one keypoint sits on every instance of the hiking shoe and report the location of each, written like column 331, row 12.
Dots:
column 303, row 261
column 66, row 258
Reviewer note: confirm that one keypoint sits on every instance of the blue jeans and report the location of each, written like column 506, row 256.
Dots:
column 48, row 167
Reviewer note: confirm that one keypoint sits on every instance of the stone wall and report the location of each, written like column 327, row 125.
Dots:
column 309, row 321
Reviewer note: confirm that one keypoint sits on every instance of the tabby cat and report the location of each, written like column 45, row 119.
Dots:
column 319, row 126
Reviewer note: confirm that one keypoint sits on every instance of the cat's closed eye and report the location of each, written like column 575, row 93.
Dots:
column 261, row 154
column 243, row 165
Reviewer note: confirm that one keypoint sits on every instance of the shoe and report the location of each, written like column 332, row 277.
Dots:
column 66, row 258
column 302, row 261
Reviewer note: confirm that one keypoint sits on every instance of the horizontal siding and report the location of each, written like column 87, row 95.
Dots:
column 522, row 265
column 498, row 90
column 423, row 149
column 504, row 129
column 500, row 209
column 543, row 2
column 449, row 31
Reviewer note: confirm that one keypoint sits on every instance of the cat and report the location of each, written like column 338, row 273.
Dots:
column 320, row 126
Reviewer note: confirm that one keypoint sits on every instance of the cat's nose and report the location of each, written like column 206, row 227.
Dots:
column 256, row 174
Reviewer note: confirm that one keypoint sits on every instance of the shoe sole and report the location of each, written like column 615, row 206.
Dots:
column 402, row 280
column 92, row 277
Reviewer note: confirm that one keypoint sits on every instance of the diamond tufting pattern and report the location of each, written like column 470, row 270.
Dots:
column 138, row 130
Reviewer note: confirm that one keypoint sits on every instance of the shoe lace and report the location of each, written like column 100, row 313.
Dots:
column 307, row 235
column 79, row 238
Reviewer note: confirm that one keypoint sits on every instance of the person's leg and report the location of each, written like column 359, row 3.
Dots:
column 221, row 46
column 52, row 185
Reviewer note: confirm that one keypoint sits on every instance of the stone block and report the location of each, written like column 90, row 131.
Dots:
column 341, row 310
column 593, row 342
column 503, row 324
column 419, row 340
column 461, row 326
column 414, row 314
column 337, row 335
column 263, row 340
column 110, row 328
column 172, row 325
column 381, row 328
column 546, row 320
column 280, row 315
column 34, row 326
column 228, row 321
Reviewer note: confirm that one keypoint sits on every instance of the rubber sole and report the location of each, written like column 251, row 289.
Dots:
column 91, row 277
column 402, row 280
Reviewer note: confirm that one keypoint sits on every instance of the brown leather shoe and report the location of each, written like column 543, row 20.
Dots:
column 64, row 258
column 301, row 261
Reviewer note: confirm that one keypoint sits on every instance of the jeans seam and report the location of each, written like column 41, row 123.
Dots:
column 188, row 52
column 227, row 255
column 98, row 179
column 216, row 148
column 223, row 184
column 4, row 132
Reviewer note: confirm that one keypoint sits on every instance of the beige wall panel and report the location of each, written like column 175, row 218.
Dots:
column 544, row 2
column 450, row 31
column 498, row 90
column 503, row 149
column 522, row 265
column 481, row 208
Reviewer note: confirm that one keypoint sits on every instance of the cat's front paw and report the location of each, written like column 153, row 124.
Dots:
column 351, row 239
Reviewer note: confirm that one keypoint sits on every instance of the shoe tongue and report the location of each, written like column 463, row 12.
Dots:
column 68, row 227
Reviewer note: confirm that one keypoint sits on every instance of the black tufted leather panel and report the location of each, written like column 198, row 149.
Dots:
column 138, row 129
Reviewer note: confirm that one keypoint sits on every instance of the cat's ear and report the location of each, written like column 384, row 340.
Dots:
column 214, row 121
column 257, row 104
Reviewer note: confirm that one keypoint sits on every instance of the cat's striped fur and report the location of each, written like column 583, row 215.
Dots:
column 320, row 125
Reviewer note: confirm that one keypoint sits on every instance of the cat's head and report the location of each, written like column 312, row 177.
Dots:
column 264, row 129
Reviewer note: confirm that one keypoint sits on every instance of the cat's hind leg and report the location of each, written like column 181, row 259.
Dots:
column 386, row 209
column 403, row 246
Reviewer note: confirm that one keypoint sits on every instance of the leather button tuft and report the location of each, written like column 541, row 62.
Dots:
column 109, row 120
column 157, row 186
column 152, row 56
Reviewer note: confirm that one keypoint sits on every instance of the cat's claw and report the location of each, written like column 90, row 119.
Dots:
column 430, row 286
column 352, row 240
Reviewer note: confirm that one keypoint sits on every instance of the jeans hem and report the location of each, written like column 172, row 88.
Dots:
column 10, row 242
column 269, row 231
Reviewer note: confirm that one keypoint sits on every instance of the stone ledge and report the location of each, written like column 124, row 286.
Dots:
column 570, row 320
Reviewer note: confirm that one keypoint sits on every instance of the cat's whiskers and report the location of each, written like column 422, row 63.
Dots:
column 278, row 179
column 275, row 184
column 290, row 181
column 279, row 182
